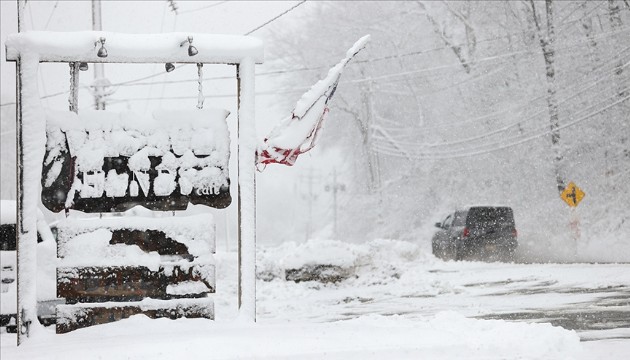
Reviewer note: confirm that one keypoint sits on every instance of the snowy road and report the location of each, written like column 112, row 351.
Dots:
column 585, row 298
column 545, row 296
column 592, row 299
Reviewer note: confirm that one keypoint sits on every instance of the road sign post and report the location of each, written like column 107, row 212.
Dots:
column 573, row 195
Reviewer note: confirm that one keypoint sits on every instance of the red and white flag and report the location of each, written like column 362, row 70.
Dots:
column 298, row 133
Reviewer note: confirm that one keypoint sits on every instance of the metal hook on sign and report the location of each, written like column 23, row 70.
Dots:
column 200, row 97
column 73, row 99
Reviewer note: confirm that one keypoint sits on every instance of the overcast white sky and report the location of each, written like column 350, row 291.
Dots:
column 222, row 17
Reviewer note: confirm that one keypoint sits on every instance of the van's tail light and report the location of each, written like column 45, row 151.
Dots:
column 514, row 232
column 466, row 232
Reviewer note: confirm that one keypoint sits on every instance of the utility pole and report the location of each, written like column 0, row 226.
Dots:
column 310, row 204
column 335, row 187
column 547, row 41
column 335, row 203
column 310, row 178
column 99, row 69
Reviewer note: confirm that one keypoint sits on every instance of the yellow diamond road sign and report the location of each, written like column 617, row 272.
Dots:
column 572, row 195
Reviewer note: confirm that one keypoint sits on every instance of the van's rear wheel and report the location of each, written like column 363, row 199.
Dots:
column 459, row 253
column 507, row 255
column 435, row 250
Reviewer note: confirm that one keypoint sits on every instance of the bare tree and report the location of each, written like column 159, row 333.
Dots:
column 587, row 26
column 547, row 38
column 614, row 17
column 463, row 53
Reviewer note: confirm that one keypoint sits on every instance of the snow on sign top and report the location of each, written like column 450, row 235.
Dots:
column 134, row 48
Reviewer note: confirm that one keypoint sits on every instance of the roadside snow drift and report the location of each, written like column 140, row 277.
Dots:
column 447, row 335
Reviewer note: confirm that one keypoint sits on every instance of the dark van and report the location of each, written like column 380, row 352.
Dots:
column 480, row 232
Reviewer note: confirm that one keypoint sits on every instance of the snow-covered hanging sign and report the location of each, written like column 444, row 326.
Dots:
column 100, row 161
column 298, row 133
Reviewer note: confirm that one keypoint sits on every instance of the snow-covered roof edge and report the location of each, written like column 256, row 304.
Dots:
column 83, row 46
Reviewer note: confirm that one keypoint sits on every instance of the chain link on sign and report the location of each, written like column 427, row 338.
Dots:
column 73, row 98
column 200, row 97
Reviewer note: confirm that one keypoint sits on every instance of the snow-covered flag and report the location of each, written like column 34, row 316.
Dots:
column 298, row 133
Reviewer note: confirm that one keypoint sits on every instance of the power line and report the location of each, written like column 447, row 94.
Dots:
column 44, row 97
column 388, row 76
column 575, row 8
column 130, row 82
column 378, row 78
column 275, row 18
column 203, row 7
column 499, row 56
column 388, row 57
column 248, row 33
column 415, row 146
column 135, row 82
column 485, row 135
column 561, row 22
column 412, row 132
column 601, row 76
column 533, row 137
column 406, row 132
column 453, row 155
column 51, row 15
column 421, row 52
column 610, row 71
column 259, row 93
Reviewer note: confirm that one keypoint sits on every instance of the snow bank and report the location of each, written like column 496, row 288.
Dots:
column 368, row 258
column 445, row 336
column 7, row 212
column 315, row 251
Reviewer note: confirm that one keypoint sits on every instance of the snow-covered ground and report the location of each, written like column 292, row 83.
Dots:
column 445, row 336
column 397, row 302
column 396, row 277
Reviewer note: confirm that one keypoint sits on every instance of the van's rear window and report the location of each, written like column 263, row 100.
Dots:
column 490, row 215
